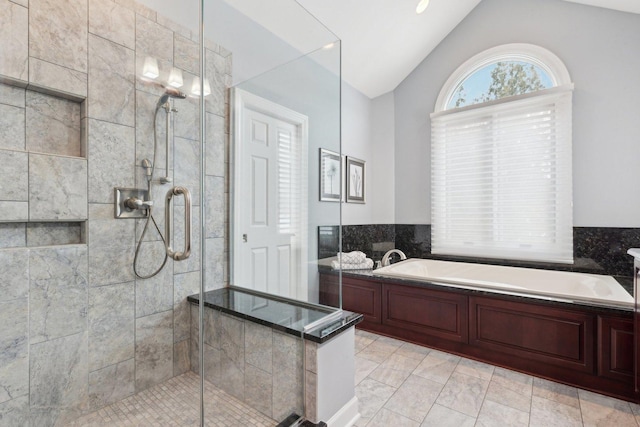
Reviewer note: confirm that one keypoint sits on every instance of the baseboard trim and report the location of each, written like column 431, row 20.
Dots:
column 346, row 416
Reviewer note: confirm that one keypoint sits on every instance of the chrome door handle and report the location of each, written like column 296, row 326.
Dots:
column 168, row 218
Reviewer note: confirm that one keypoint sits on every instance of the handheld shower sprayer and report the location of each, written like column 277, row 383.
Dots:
column 148, row 169
column 170, row 93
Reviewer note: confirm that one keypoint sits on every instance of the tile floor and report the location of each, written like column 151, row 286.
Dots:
column 398, row 384
column 176, row 403
column 405, row 385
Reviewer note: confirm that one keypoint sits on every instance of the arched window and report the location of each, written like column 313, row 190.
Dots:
column 501, row 158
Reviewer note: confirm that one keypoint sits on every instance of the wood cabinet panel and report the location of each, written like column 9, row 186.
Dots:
column 585, row 347
column 544, row 334
column 329, row 290
column 615, row 348
column 362, row 297
column 441, row 314
column 358, row 295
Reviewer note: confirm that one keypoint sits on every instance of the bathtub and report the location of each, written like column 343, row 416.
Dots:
column 593, row 289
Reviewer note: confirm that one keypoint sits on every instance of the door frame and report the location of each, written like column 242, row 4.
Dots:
column 241, row 100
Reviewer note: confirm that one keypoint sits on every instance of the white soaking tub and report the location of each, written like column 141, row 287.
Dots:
column 547, row 284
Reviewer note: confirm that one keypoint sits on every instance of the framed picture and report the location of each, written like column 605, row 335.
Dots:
column 355, row 180
column 330, row 176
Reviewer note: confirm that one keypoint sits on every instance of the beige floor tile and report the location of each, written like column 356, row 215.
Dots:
column 367, row 334
column 413, row 351
column 495, row 414
column 390, row 341
column 440, row 416
column 414, row 398
column 516, row 381
column 463, row 393
column 599, row 410
column 500, row 393
column 437, row 366
column 378, row 351
column 362, row 342
column 557, row 392
column 363, row 368
column 372, row 395
column 394, row 370
column 386, row 418
column 475, row 369
column 550, row 413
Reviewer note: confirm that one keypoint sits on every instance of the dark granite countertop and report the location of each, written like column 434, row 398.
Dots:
column 282, row 314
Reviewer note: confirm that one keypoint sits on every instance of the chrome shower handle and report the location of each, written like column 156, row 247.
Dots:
column 168, row 218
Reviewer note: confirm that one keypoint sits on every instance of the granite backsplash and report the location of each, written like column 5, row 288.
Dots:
column 600, row 250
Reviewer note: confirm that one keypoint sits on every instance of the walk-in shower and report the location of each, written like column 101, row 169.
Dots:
column 97, row 328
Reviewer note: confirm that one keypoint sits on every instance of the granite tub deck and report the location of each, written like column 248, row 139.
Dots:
column 256, row 349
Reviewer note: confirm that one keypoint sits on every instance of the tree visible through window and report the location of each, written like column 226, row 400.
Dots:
column 499, row 80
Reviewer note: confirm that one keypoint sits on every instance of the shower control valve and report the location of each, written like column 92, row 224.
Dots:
column 136, row 203
column 132, row 203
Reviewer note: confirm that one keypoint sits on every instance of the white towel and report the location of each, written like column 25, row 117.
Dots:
column 354, row 257
column 366, row 265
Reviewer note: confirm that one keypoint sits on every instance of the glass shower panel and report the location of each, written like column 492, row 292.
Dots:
column 284, row 197
column 269, row 55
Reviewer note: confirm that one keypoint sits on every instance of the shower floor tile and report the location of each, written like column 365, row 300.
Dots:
column 176, row 402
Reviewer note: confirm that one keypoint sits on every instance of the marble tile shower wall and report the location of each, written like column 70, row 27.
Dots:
column 254, row 363
column 79, row 331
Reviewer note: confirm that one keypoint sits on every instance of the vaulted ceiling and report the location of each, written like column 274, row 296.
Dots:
column 382, row 40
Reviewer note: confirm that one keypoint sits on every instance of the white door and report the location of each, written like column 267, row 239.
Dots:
column 269, row 198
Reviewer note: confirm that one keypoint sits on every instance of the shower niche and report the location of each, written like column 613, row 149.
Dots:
column 43, row 168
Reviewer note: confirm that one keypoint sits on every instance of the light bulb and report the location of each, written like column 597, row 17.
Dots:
column 422, row 6
column 175, row 78
column 150, row 68
column 195, row 87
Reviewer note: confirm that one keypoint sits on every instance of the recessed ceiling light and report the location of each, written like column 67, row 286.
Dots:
column 422, row 5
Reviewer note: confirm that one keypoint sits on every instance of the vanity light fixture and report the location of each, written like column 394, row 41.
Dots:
column 175, row 78
column 422, row 6
column 150, row 68
column 195, row 87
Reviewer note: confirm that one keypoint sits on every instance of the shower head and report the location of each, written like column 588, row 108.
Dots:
column 170, row 93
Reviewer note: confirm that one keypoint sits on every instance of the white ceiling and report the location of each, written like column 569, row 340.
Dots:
column 382, row 40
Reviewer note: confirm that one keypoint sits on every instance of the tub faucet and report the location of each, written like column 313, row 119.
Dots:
column 385, row 258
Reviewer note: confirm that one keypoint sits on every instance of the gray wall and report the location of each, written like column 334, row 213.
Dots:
column 599, row 48
column 357, row 142
column 79, row 330
column 368, row 134
column 383, row 171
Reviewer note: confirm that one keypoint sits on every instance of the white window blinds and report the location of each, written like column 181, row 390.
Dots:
column 287, row 161
column 501, row 178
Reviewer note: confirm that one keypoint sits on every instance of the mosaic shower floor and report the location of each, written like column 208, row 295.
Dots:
column 176, row 403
